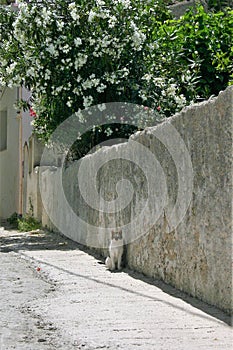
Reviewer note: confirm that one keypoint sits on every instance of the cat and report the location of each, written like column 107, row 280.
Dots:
column 115, row 251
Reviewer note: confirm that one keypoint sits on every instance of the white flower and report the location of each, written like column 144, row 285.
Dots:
column 148, row 77
column 51, row 49
column 11, row 68
column 4, row 62
column 108, row 131
column 23, row 8
column 74, row 12
column 77, row 41
column 92, row 41
column 38, row 21
column 105, row 41
column 97, row 53
column 124, row 72
column 76, row 91
column 91, row 16
column 102, row 107
column 171, row 89
column 71, row 6
column 101, row 88
column 138, row 38
column 47, row 74
column 125, row 3
column 59, row 89
column 69, row 103
column 60, row 25
column 100, row 2
column 80, row 61
column 143, row 95
column 158, row 81
column 133, row 25
column 180, row 100
column 95, row 82
column 111, row 77
column 79, row 78
column 87, row 101
column 87, row 84
column 31, row 72
column 112, row 21
column 66, row 48
column 163, row 93
column 46, row 15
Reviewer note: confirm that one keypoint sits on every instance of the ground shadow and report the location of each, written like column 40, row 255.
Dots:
column 12, row 240
column 196, row 303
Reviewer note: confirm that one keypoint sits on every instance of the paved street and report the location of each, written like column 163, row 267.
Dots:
column 53, row 295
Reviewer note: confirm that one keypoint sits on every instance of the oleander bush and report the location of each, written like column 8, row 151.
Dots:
column 76, row 54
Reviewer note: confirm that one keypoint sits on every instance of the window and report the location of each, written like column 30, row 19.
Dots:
column 3, row 130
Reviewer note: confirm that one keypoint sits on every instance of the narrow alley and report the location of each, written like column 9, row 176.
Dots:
column 55, row 295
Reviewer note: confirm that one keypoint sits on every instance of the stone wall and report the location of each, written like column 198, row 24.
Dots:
column 184, row 167
column 179, row 9
column 196, row 256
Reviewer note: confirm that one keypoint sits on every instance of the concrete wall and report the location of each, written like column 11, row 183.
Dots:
column 32, row 152
column 33, row 166
column 185, row 234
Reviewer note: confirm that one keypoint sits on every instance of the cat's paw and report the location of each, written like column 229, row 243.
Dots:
column 108, row 263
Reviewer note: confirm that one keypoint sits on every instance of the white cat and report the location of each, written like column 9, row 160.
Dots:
column 115, row 251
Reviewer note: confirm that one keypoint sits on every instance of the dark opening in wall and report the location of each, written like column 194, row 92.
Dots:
column 3, row 130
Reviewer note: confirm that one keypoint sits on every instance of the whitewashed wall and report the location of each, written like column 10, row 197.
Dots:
column 10, row 156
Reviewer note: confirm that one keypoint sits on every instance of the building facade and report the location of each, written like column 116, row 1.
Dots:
column 15, row 129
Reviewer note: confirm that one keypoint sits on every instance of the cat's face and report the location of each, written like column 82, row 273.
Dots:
column 116, row 235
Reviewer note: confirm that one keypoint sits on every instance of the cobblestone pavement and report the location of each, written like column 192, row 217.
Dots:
column 54, row 295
